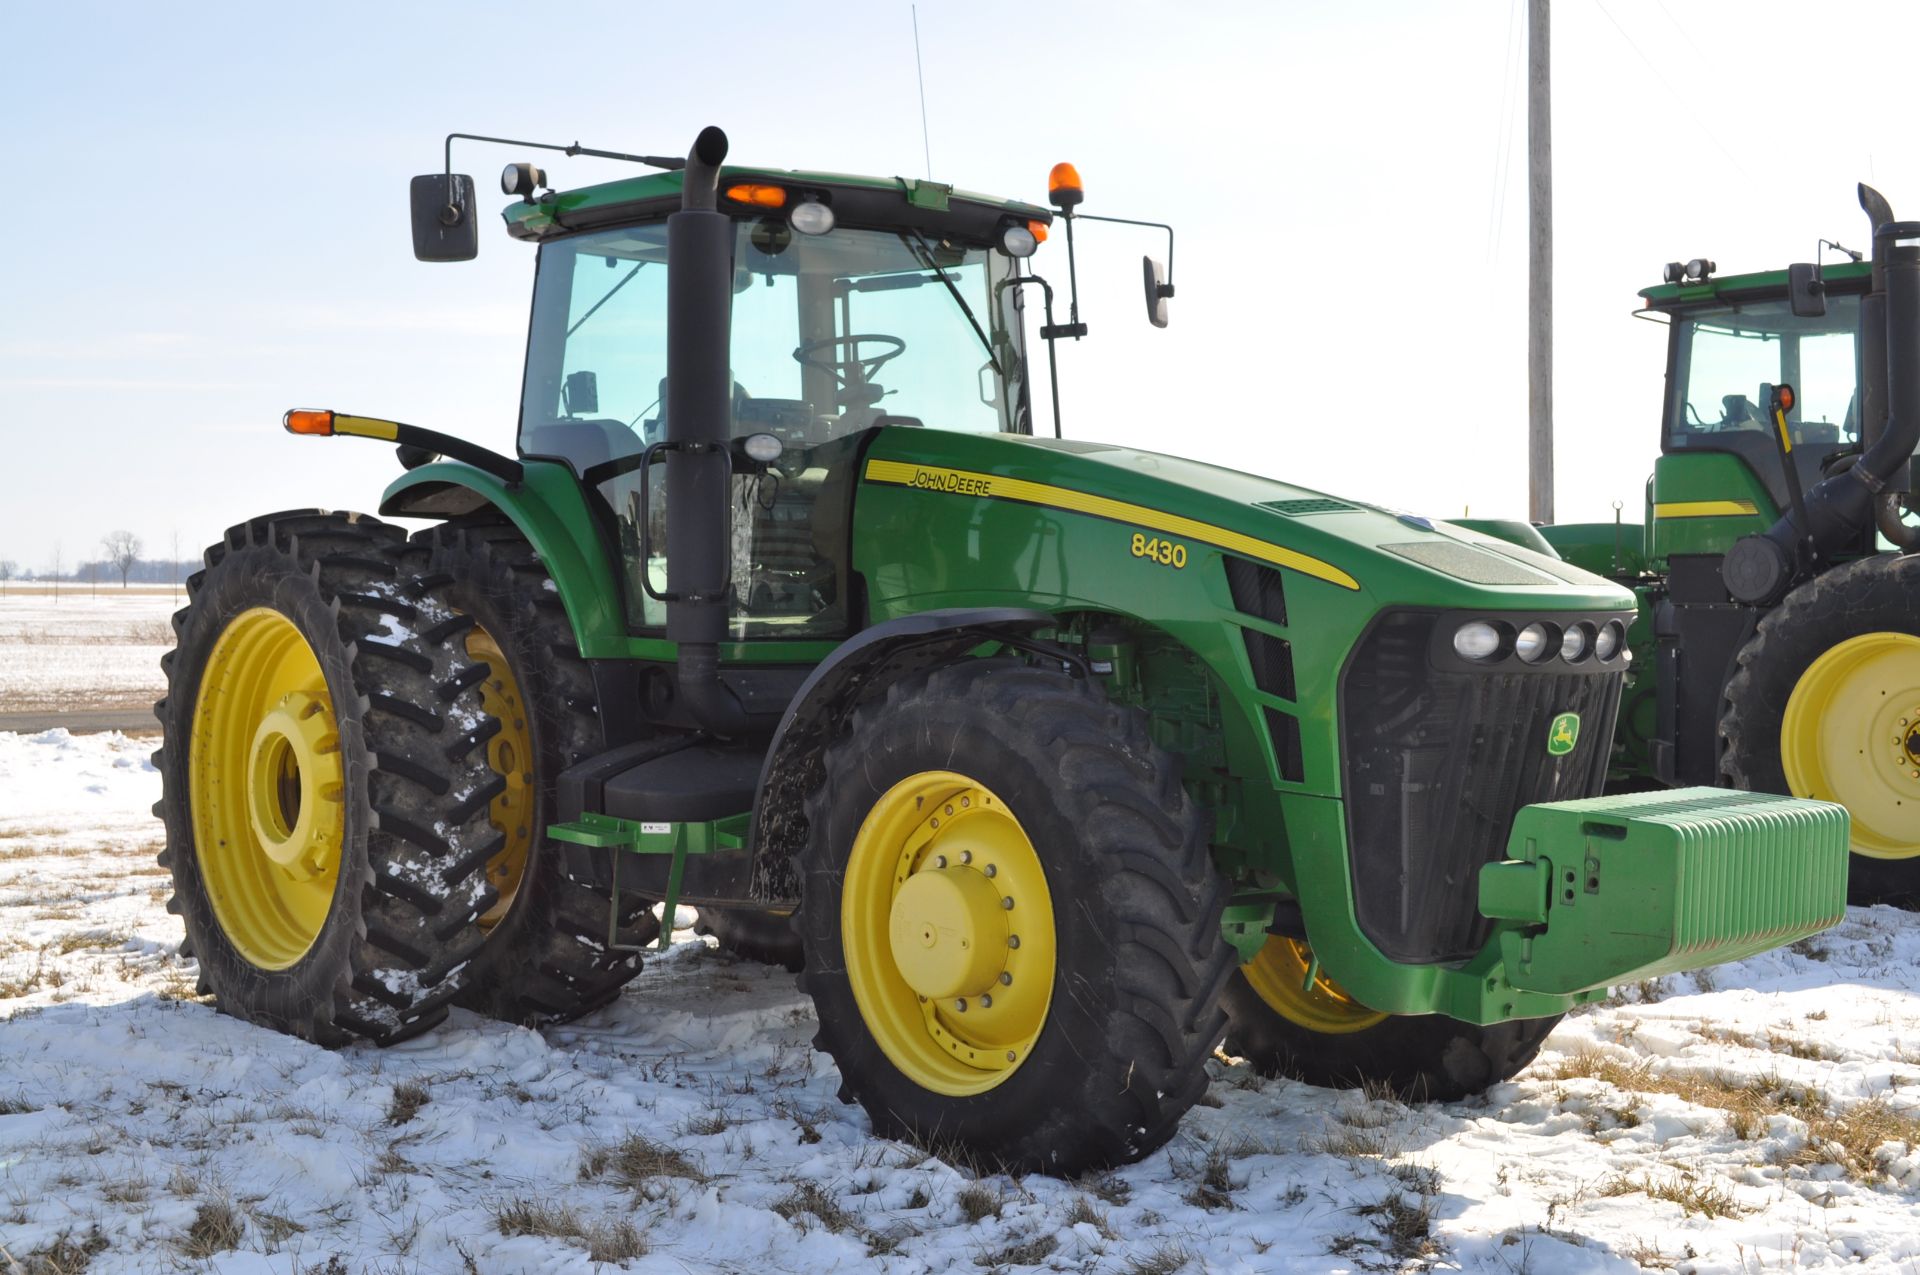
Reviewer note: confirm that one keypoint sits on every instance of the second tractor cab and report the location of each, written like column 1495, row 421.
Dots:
column 1778, row 641
column 1051, row 763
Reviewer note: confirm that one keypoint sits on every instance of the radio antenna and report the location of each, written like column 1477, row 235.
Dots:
column 925, row 145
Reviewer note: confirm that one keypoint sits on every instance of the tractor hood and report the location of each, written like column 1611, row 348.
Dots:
column 1340, row 545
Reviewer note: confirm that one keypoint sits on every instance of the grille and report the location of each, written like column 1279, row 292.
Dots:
column 1257, row 590
column 1309, row 505
column 1272, row 661
column 1437, row 763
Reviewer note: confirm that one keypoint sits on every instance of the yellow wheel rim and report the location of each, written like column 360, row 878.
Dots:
column 1851, row 734
column 1286, row 978
column 947, row 924
column 510, row 754
column 266, row 788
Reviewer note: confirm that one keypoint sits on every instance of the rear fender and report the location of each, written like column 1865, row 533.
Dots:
column 551, row 511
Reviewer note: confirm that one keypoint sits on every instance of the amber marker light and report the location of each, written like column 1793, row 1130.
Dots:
column 1063, row 186
column 1785, row 395
column 308, row 420
column 1039, row 231
column 758, row 196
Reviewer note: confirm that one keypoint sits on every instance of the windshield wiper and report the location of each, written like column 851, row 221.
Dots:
column 624, row 279
column 926, row 256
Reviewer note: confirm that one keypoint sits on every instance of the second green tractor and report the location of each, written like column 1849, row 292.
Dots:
column 1054, row 763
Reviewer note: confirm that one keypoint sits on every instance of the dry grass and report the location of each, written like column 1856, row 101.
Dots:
column 408, row 1097
column 1404, row 1233
column 1028, row 1252
column 610, row 1240
column 67, row 1255
column 1213, row 1181
column 808, row 1199
column 1846, row 1136
column 217, row 1228
column 977, row 1201
column 636, row 1160
column 1167, row 1259
column 1109, row 1188
column 85, row 940
column 1082, row 1210
column 1709, row 1199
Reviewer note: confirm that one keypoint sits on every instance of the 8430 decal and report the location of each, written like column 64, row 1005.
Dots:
column 1168, row 553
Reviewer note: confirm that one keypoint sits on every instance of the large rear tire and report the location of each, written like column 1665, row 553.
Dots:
column 1012, row 921
column 546, row 957
column 1826, row 704
column 767, row 938
column 324, row 782
column 1319, row 1034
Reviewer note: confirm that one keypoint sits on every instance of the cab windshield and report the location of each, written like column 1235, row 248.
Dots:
column 832, row 335
column 1727, row 361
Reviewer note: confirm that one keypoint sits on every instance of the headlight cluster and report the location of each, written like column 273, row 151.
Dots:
column 1484, row 641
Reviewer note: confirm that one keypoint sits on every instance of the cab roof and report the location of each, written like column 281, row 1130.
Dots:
column 1842, row 276
column 933, row 207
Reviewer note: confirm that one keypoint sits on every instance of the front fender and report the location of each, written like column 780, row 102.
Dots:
column 551, row 511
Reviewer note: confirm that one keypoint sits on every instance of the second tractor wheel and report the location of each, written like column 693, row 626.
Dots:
column 1289, row 1019
column 1012, row 921
column 766, row 937
column 546, row 957
column 1826, row 704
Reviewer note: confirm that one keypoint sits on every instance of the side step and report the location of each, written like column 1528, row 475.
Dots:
column 665, row 818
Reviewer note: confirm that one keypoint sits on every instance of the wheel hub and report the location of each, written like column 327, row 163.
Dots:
column 949, row 932
column 293, row 772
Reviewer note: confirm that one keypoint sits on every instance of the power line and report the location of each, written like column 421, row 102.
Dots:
column 1672, row 92
column 1503, row 143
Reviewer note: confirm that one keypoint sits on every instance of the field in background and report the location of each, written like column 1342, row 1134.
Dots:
column 1753, row 1117
column 83, row 652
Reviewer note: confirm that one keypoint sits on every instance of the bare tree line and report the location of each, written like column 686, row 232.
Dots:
column 120, row 555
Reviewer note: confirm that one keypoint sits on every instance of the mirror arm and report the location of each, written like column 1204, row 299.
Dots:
column 1049, row 333
column 1166, row 289
column 575, row 148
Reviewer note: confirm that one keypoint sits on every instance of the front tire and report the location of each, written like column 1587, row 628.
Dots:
column 1319, row 1034
column 1826, row 704
column 1011, row 920
column 325, row 782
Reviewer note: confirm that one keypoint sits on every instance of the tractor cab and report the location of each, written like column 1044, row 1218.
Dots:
column 853, row 306
column 1732, row 340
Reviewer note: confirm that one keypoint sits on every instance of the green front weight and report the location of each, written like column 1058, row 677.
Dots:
column 1612, row 890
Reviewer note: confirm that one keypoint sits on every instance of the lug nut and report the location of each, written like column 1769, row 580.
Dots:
column 1013, row 940
column 961, row 1004
column 949, row 807
column 986, row 1000
column 1007, row 903
column 1009, row 1055
column 965, row 802
column 966, row 856
column 992, row 871
column 939, row 860
column 1006, row 979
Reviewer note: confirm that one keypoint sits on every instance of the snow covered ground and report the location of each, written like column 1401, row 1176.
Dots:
column 1758, row 1118
column 83, row 651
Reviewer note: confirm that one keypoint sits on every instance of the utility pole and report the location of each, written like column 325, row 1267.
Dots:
column 1539, row 267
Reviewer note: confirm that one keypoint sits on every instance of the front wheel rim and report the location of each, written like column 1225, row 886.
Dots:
column 266, row 786
column 1285, row 976
column 1851, row 734
column 947, row 924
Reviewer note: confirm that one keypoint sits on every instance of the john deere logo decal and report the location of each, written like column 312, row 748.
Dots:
column 1564, row 734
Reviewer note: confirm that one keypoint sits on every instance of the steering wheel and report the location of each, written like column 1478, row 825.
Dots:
column 843, row 370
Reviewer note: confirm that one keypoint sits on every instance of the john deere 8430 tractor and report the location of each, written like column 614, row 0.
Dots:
column 1064, row 761
column 1778, row 641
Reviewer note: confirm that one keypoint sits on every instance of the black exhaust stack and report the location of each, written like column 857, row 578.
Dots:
column 1759, row 569
column 699, row 407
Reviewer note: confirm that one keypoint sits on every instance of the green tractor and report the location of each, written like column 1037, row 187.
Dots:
column 1061, row 761
column 1778, row 638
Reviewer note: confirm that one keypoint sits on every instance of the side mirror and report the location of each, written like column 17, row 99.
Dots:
column 1806, row 292
column 581, row 393
column 444, row 228
column 1158, row 290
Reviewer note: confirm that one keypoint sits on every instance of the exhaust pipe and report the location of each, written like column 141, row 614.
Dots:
column 699, row 407
column 1759, row 569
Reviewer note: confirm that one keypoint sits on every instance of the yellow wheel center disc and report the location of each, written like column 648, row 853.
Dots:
column 1851, row 734
column 294, row 773
column 946, row 920
column 949, row 933
column 266, row 788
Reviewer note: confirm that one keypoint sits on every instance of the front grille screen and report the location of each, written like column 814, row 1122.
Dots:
column 1437, row 763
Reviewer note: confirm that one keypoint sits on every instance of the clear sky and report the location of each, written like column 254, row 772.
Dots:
column 210, row 223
